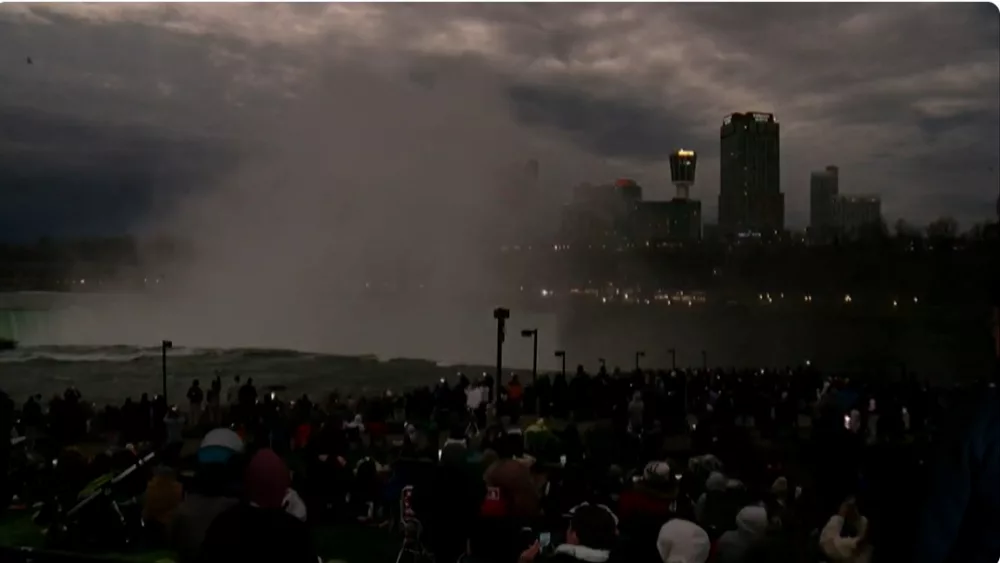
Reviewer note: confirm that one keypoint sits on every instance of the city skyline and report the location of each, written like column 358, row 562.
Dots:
column 124, row 108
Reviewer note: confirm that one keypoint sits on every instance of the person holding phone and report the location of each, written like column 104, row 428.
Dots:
column 592, row 532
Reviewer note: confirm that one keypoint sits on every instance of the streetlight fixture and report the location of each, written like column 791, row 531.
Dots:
column 533, row 335
column 562, row 354
column 638, row 354
column 164, row 346
column 501, row 315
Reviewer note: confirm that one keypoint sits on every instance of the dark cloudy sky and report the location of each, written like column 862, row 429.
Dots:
column 128, row 107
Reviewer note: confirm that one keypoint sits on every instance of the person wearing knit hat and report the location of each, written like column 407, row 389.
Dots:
column 259, row 528
column 215, row 489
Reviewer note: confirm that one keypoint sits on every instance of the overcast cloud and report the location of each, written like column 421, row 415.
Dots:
column 128, row 109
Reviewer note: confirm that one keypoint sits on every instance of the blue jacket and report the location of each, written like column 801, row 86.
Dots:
column 960, row 519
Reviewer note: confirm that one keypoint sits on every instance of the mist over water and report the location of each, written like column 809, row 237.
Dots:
column 363, row 177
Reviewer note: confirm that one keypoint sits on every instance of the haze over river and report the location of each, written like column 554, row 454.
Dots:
column 65, row 339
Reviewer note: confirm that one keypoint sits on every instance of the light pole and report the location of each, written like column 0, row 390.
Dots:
column 704, row 360
column 562, row 354
column 604, row 364
column 673, row 358
column 164, row 346
column 533, row 335
column 501, row 315
column 638, row 354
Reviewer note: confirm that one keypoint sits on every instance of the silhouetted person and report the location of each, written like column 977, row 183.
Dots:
column 248, row 393
column 961, row 516
column 195, row 397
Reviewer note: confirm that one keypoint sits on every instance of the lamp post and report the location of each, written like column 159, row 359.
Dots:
column 673, row 358
column 164, row 346
column 604, row 364
column 533, row 335
column 562, row 354
column 638, row 354
column 501, row 315
column 704, row 360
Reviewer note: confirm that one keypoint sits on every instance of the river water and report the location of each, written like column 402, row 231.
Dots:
column 65, row 340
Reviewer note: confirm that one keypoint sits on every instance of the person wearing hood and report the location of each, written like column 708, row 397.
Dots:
column 512, row 479
column 260, row 528
column 715, row 487
column 592, row 533
column 844, row 538
column 164, row 494
column 651, row 501
column 451, row 503
column 541, row 442
column 455, row 448
column 779, row 544
column 215, row 489
column 751, row 526
column 683, row 541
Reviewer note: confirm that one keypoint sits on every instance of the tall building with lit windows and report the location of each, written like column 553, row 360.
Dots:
column 750, row 197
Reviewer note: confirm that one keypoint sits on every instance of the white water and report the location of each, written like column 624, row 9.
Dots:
column 388, row 330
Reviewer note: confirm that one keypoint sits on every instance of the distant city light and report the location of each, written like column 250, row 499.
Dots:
column 847, row 298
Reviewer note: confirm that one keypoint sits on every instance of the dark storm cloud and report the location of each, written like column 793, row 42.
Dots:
column 621, row 128
column 897, row 95
column 63, row 175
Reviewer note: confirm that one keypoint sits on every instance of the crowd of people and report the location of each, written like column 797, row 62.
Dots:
column 675, row 466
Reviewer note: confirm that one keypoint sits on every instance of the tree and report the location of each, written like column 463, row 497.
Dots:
column 874, row 232
column 943, row 228
column 977, row 232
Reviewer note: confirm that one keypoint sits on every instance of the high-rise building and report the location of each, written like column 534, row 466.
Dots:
column 824, row 187
column 750, row 198
column 855, row 213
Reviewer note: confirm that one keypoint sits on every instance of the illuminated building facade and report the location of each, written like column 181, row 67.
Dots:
column 750, row 198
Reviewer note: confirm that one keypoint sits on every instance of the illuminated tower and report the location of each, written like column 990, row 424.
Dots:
column 682, row 168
